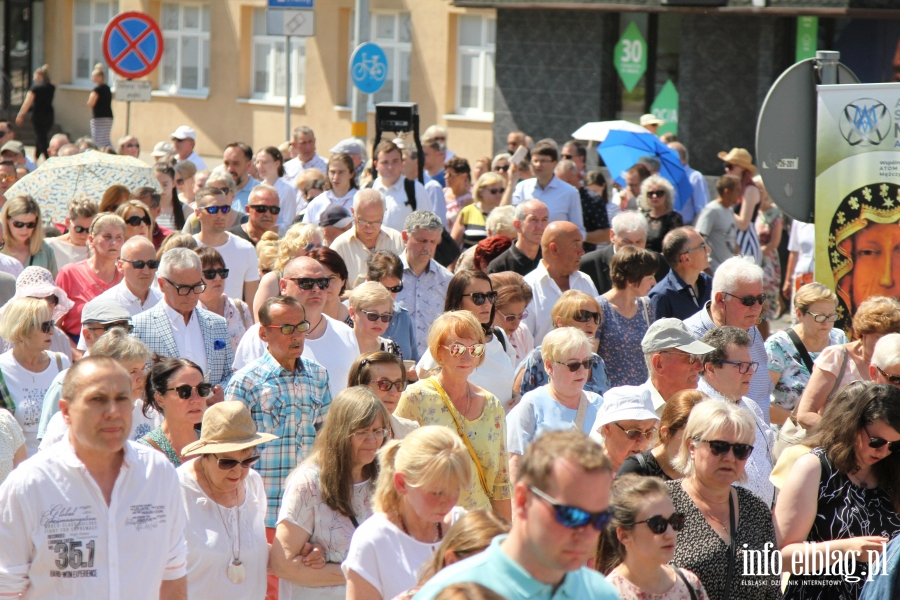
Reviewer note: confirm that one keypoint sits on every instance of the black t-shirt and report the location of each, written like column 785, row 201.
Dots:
column 239, row 231
column 650, row 468
column 43, row 99
column 513, row 260
column 103, row 107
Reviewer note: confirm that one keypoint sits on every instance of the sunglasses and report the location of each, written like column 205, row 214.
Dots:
column 478, row 298
column 822, row 318
column 574, row 366
column 877, row 442
column 136, row 221
column 385, row 385
column 749, row 300
column 263, row 209
column 573, row 517
column 636, row 434
column 583, row 316
column 374, row 316
column 892, row 379
column 204, row 390
column 226, row 464
column 729, row 166
column 128, row 327
column 656, row 194
column 215, row 209
column 7, row 178
column 47, row 326
column 500, row 168
column 395, row 289
column 211, row 273
column 80, row 229
column 476, row 350
column 743, row 367
column 307, row 283
column 496, row 190
column 658, row 523
column 132, row 145
column 184, row 290
column 513, row 318
column 311, row 247
column 140, row 264
column 20, row 224
column 301, row 327
column 566, row 156
column 721, row 447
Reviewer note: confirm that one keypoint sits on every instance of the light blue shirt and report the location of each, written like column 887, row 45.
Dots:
column 242, row 196
column 538, row 412
column 402, row 332
column 562, row 199
column 691, row 207
column 423, row 296
column 495, row 570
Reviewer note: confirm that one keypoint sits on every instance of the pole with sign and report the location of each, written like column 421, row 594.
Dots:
column 289, row 18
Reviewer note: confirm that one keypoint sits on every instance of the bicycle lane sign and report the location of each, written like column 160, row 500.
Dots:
column 368, row 68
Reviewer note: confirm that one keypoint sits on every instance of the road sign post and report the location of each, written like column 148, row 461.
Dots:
column 289, row 18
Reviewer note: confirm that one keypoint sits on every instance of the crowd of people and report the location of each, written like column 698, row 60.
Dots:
column 296, row 377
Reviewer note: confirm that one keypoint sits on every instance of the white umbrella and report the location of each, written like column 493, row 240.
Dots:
column 598, row 130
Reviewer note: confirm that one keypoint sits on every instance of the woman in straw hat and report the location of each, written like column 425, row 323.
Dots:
column 739, row 162
column 225, row 504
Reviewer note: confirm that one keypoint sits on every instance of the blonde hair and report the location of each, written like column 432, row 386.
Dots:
column 107, row 220
column 44, row 72
column 569, row 304
column 368, row 294
column 564, row 342
column 98, row 70
column 24, row 205
column 22, row 317
column 137, row 204
column 82, row 208
column 877, row 314
column 267, row 251
column 295, row 239
column 460, row 323
column 500, row 222
column 486, row 180
column 811, row 293
column 428, row 455
column 709, row 419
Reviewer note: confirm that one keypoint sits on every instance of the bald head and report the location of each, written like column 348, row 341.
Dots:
column 303, row 266
column 134, row 245
column 558, row 232
column 561, row 248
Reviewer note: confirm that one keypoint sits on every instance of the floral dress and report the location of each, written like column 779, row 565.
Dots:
column 766, row 221
column 534, row 375
column 620, row 342
column 784, row 359
column 679, row 591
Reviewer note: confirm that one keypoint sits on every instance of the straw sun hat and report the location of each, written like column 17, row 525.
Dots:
column 739, row 157
column 227, row 427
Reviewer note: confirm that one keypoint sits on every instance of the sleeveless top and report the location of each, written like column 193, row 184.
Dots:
column 43, row 100
column 162, row 442
column 103, row 107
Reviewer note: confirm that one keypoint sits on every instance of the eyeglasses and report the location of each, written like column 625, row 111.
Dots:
column 263, row 209
column 364, row 223
column 583, row 316
column 749, row 300
column 47, row 326
column 140, row 264
column 80, row 229
column 503, row 168
column 226, row 464
column 7, row 178
column 658, row 523
column 822, row 318
column 204, row 390
column 136, row 221
column 476, row 350
column 721, row 447
column 385, row 385
column 211, row 273
column 395, row 289
column 495, row 190
column 184, row 290
column 695, row 248
column 574, row 366
column 478, row 298
column 301, row 327
column 877, row 442
column 307, row 283
column 512, row 318
column 378, row 434
column 374, row 316
column 656, row 194
column 892, row 379
column 566, row 156
column 20, row 224
column 128, row 327
column 743, row 367
column 573, row 517
column 636, row 434
column 132, row 145
column 215, row 209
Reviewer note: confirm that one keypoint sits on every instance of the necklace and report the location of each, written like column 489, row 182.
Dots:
column 705, row 499
column 236, row 571
column 321, row 318
column 440, row 529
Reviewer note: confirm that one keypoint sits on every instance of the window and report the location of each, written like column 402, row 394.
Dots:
column 268, row 63
column 475, row 66
column 90, row 21
column 393, row 32
column 185, row 61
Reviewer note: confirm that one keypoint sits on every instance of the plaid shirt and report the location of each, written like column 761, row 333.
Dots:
column 289, row 405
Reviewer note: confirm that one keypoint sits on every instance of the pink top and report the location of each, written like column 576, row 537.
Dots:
column 830, row 360
column 679, row 591
column 82, row 285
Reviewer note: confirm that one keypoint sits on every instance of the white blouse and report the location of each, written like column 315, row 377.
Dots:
column 11, row 439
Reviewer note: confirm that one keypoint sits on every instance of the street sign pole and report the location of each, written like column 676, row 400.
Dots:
column 128, row 117
column 287, row 87
column 360, row 115
column 287, row 18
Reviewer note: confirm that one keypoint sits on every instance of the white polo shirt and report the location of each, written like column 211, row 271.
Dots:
column 241, row 261
column 396, row 208
column 546, row 293
column 59, row 539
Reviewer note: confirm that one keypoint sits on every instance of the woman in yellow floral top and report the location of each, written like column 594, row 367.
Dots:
column 456, row 340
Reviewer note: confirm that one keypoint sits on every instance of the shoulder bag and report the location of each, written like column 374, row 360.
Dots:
column 690, row 588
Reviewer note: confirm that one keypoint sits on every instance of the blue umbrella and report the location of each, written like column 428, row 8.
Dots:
column 622, row 149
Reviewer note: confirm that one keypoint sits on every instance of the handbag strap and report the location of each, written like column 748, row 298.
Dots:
column 801, row 349
column 645, row 307
column 582, row 412
column 690, row 588
column 840, row 375
column 731, row 547
column 462, row 434
column 354, row 521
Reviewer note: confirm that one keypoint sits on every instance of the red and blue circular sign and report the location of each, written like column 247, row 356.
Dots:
column 132, row 44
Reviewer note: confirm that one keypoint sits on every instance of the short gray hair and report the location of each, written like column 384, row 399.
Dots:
column 117, row 343
column 735, row 271
column 219, row 177
column 887, row 351
column 500, row 221
column 629, row 221
column 422, row 219
column 502, row 156
column 719, row 338
column 302, row 130
column 178, row 259
column 681, row 150
column 566, row 166
column 367, row 194
column 263, row 187
column 520, row 208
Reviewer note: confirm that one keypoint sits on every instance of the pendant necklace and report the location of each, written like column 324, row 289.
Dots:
column 236, row 571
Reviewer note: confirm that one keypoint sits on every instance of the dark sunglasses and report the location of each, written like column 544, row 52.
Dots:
column 385, row 385
column 263, row 209
column 743, row 367
column 140, row 264
column 374, row 316
column 184, row 290
column 301, row 327
column 204, row 390
column 720, row 447
column 566, row 156
column 583, row 316
column 478, row 298
column 80, row 229
column 215, row 209
column 47, row 326
column 877, row 442
column 226, row 464
column 656, row 193
column 136, row 221
column 749, row 300
column 574, row 366
column 211, row 273
column 573, row 517
column 395, row 289
column 658, row 523
column 503, row 168
column 307, row 283
column 892, row 379
column 20, row 224
column 496, row 190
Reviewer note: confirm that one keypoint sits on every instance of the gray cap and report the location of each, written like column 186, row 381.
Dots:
column 103, row 311
column 350, row 146
column 14, row 146
column 668, row 334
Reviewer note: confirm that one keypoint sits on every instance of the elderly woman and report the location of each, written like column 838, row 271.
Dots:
column 371, row 310
column 837, row 366
column 657, row 461
column 791, row 352
column 844, row 493
column 383, row 373
column 37, row 282
column 128, row 146
column 419, row 482
column 21, row 220
column 235, row 311
column 657, row 203
column 627, row 313
column 177, row 390
column 626, row 424
column 227, row 552
column 471, row 291
column 83, row 281
column 299, row 240
column 185, row 172
column 721, row 521
column 329, row 495
column 513, row 295
column 573, row 309
column 470, row 226
column 28, row 369
column 562, row 403
column 138, row 219
column 635, row 548
column 386, row 268
column 71, row 246
column 456, row 340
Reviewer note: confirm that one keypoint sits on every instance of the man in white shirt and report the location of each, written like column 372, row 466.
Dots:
column 303, row 145
column 138, row 266
column 394, row 186
column 561, row 199
column 239, row 255
column 80, row 519
column 433, row 189
column 367, row 236
column 329, row 342
column 183, row 139
column 561, row 249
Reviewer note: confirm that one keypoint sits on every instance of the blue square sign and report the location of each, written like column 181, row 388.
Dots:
column 291, row 3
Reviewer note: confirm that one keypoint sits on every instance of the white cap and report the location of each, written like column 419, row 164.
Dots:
column 162, row 148
column 624, row 403
column 184, row 133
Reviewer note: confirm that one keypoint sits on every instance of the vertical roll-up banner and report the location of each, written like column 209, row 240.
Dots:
column 858, row 193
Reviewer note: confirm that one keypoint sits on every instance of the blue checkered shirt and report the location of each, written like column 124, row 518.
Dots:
column 423, row 297
column 289, row 405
